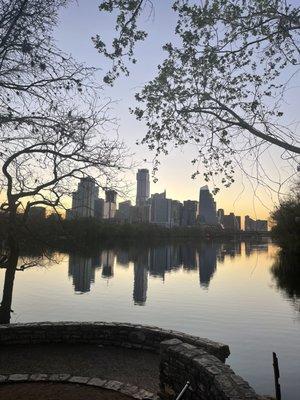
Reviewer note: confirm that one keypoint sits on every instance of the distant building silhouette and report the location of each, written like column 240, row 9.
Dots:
column 161, row 209
column 124, row 212
column 143, row 213
column 207, row 207
column 176, row 213
column 220, row 215
column 190, row 212
column 143, row 186
column 255, row 225
column 83, row 200
column 110, row 205
column 99, row 208
column 231, row 222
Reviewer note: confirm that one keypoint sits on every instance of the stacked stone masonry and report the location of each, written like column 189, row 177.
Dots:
column 124, row 388
column 209, row 378
column 183, row 357
column 116, row 334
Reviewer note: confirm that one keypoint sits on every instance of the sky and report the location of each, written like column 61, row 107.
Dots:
column 78, row 23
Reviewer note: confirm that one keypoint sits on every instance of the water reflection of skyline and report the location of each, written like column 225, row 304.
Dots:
column 156, row 262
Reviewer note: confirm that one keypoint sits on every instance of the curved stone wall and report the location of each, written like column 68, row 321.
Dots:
column 209, row 378
column 182, row 357
column 116, row 334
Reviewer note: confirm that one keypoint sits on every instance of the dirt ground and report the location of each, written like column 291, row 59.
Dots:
column 55, row 391
column 136, row 367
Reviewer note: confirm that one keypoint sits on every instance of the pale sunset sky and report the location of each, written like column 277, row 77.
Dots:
column 78, row 23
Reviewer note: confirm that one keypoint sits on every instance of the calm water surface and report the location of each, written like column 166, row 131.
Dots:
column 228, row 292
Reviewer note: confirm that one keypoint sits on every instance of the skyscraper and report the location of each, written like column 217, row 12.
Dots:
column 207, row 207
column 83, row 200
column 142, row 186
column 124, row 213
column 189, row 213
column 110, row 205
column 161, row 209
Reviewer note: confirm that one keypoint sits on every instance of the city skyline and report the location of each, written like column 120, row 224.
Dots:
column 155, row 208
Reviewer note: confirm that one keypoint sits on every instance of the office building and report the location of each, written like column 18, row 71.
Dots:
column 207, row 207
column 161, row 209
column 99, row 208
column 255, row 225
column 220, row 215
column 110, row 205
column 142, row 186
column 83, row 200
column 190, row 212
column 176, row 213
column 141, row 214
column 124, row 213
column 231, row 222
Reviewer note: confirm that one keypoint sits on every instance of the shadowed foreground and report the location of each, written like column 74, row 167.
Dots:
column 54, row 391
column 136, row 367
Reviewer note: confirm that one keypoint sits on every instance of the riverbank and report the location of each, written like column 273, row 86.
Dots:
column 78, row 235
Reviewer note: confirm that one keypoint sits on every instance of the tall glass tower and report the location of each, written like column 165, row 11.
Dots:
column 207, row 207
column 142, row 187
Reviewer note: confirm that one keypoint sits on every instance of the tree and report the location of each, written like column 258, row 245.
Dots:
column 52, row 123
column 286, row 220
column 223, row 81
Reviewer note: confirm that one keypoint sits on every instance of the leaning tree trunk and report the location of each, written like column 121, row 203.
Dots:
column 12, row 262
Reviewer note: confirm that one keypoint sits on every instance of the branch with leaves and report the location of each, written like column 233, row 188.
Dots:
column 223, row 82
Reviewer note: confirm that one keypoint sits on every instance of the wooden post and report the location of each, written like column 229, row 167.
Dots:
column 276, row 377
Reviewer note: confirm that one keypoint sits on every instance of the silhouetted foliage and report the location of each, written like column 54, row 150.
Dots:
column 222, row 83
column 286, row 218
column 53, row 126
column 285, row 271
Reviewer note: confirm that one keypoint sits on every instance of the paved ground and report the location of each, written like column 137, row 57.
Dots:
column 136, row 367
column 54, row 391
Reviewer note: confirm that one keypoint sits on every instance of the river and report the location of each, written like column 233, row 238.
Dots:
column 234, row 292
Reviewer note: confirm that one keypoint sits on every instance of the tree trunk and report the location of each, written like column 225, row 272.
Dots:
column 12, row 262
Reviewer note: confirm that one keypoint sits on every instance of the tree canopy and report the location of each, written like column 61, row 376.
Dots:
column 223, row 81
column 53, row 123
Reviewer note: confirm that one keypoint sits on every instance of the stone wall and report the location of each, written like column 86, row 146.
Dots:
column 209, row 378
column 116, row 334
column 182, row 357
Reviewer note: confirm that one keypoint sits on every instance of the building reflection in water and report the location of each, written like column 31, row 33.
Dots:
column 258, row 245
column 108, row 260
column 208, row 262
column 140, row 284
column 82, row 270
column 123, row 258
column 157, row 261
